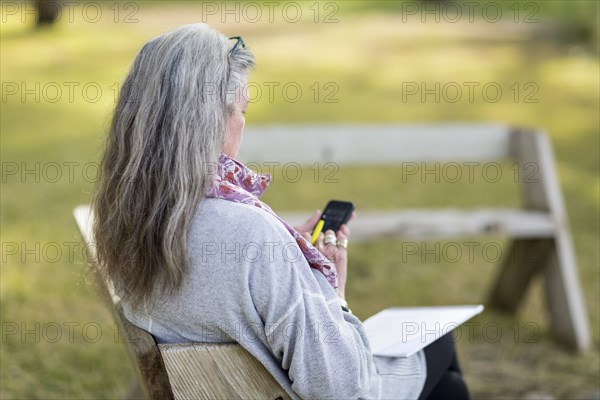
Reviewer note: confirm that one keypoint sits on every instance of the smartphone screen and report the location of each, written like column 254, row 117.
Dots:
column 336, row 214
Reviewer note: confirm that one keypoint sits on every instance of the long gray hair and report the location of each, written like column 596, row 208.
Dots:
column 165, row 138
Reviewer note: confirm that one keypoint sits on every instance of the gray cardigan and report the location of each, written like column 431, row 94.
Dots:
column 249, row 283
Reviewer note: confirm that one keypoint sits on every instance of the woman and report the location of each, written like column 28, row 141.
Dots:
column 197, row 257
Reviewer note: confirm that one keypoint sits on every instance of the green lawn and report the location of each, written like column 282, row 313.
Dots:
column 57, row 338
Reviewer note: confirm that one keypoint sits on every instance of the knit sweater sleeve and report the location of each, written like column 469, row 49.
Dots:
column 324, row 349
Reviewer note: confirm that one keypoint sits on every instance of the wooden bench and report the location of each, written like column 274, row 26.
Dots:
column 184, row 370
column 204, row 370
column 540, row 224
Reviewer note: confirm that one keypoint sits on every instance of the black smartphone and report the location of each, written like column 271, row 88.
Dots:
column 336, row 214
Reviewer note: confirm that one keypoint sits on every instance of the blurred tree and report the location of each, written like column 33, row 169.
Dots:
column 47, row 11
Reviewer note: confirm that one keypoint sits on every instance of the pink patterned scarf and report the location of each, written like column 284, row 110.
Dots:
column 236, row 182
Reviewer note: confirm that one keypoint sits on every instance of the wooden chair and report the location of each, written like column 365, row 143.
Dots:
column 184, row 370
column 540, row 225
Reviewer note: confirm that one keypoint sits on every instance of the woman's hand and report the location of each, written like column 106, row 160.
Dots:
column 309, row 225
column 336, row 253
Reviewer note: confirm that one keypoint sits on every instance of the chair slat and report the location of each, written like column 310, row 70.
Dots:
column 220, row 370
column 375, row 144
column 444, row 223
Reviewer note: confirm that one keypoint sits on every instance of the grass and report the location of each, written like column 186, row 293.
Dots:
column 368, row 56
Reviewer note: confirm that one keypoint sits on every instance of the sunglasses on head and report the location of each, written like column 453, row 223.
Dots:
column 239, row 43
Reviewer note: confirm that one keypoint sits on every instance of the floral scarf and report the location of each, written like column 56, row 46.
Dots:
column 236, row 182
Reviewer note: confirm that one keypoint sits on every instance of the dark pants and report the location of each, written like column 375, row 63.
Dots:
column 444, row 379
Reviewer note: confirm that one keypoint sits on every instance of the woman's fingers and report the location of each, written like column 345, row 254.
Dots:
column 352, row 216
column 345, row 230
column 326, row 245
column 310, row 223
column 319, row 242
column 330, row 238
column 341, row 236
column 306, row 236
column 334, row 245
column 330, row 247
column 342, row 243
